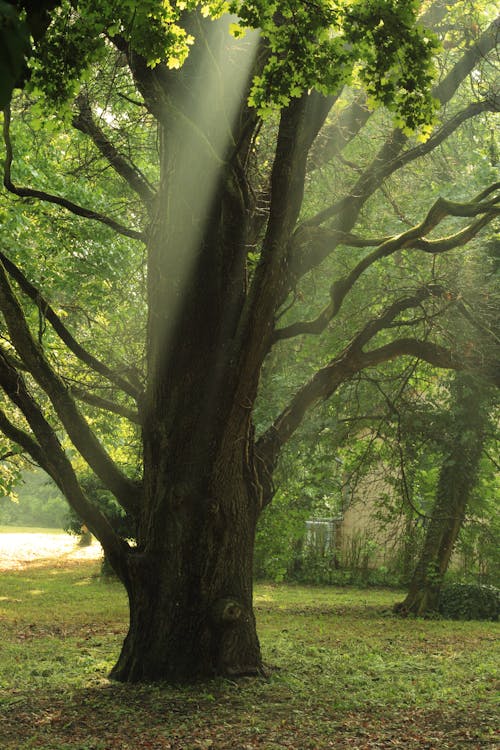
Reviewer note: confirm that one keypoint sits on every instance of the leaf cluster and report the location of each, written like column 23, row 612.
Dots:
column 321, row 45
column 314, row 45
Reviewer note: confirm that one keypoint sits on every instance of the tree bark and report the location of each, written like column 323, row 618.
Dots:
column 190, row 580
column 190, row 577
column 456, row 482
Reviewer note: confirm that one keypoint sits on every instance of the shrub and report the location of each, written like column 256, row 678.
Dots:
column 469, row 601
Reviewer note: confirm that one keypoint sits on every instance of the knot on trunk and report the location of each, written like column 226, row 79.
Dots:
column 226, row 611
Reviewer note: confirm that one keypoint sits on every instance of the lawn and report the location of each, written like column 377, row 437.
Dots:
column 343, row 673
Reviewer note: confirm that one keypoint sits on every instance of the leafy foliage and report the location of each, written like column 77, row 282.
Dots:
column 469, row 601
column 317, row 45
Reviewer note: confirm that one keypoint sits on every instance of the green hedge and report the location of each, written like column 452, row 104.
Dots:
column 469, row 601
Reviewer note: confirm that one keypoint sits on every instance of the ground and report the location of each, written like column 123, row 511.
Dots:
column 343, row 671
column 20, row 546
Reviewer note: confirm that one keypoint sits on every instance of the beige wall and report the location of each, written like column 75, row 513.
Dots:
column 361, row 533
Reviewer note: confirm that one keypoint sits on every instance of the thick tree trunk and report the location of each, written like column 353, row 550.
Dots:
column 190, row 579
column 440, row 539
column 190, row 589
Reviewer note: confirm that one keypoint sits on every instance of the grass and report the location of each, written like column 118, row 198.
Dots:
column 345, row 674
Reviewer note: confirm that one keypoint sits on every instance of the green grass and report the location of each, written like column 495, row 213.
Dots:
column 344, row 673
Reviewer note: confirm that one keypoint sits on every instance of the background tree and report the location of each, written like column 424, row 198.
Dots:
column 218, row 210
column 463, row 447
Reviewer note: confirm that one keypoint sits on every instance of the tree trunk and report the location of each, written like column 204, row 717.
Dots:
column 190, row 585
column 189, row 581
column 456, row 482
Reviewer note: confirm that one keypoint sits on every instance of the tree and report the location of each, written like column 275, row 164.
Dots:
column 229, row 231
column 462, row 446
column 457, row 479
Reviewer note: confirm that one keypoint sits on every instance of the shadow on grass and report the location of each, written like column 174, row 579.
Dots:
column 227, row 716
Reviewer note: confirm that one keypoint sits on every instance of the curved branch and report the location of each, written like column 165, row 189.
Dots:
column 412, row 239
column 64, row 334
column 125, row 490
column 74, row 208
column 327, row 379
column 476, row 52
column 54, row 461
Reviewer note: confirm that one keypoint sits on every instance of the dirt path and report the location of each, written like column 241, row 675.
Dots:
column 18, row 549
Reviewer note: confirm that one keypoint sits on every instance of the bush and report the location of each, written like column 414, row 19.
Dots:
column 469, row 601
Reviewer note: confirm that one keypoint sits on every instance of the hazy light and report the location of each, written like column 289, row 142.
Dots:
column 196, row 142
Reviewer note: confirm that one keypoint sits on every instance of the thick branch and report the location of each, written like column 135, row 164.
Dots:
column 476, row 52
column 85, row 123
column 412, row 239
column 25, row 192
column 49, row 314
column 74, row 422
column 270, row 280
column 106, row 404
column 53, row 459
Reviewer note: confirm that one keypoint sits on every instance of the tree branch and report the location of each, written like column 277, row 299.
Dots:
column 125, row 490
column 64, row 334
column 85, row 123
column 74, row 208
column 326, row 380
column 412, row 239
column 270, row 279
column 106, row 404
